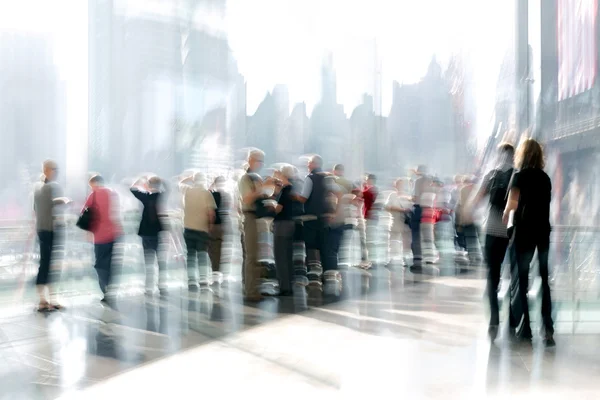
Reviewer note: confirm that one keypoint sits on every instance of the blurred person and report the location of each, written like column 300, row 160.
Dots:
column 251, row 191
column 283, row 231
column 444, row 228
column 421, row 186
column 199, row 211
column 370, row 196
column 106, row 230
column 429, row 219
column 339, row 171
column 455, row 198
column 528, row 206
column 223, row 204
column 47, row 195
column 495, row 186
column 467, row 221
column 316, row 208
column 400, row 205
column 151, row 192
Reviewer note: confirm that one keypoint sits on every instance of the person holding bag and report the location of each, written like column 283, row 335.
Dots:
column 100, row 217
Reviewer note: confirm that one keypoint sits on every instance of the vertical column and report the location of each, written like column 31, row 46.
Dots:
column 522, row 66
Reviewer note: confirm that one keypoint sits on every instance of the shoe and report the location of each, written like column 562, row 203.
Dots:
column 493, row 332
column 549, row 340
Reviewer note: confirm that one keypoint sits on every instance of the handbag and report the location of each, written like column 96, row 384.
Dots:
column 87, row 215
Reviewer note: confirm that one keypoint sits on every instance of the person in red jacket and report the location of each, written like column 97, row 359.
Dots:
column 369, row 195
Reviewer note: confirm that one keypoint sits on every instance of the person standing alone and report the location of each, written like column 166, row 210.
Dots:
column 46, row 197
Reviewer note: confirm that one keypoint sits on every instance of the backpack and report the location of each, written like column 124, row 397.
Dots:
column 499, row 184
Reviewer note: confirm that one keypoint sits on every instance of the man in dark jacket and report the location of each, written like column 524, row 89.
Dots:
column 317, row 210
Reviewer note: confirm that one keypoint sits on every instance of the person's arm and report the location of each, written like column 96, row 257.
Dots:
column 58, row 198
column 306, row 191
column 513, row 197
column 248, row 191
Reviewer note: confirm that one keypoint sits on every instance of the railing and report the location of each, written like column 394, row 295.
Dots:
column 575, row 128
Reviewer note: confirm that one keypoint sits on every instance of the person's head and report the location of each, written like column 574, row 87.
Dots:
column 315, row 162
column 154, row 183
column 530, row 155
column 219, row 182
column 506, row 153
column 338, row 170
column 401, row 185
column 50, row 170
column 96, row 181
column 288, row 172
column 421, row 170
column 371, row 180
column 199, row 179
column 256, row 160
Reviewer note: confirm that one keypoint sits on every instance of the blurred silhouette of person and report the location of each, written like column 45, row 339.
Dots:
column 106, row 230
column 283, row 231
column 223, row 203
column 47, row 195
column 199, row 210
column 421, row 186
column 400, row 205
column 251, row 191
column 529, row 203
column 150, row 191
column 370, row 214
column 467, row 221
column 314, row 195
column 495, row 186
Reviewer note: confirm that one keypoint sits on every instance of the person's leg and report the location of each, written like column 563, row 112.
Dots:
column 203, row 242
column 163, row 244
column 252, row 267
column 102, row 266
column 282, row 243
column 524, row 254
column 299, row 255
column 495, row 250
column 45, row 239
column 313, row 261
column 150, row 245
column 192, row 261
column 543, row 250
column 415, row 226
column 215, row 246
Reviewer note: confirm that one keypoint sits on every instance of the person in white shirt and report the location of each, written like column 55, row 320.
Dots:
column 400, row 205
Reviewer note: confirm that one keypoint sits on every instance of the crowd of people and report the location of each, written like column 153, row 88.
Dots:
column 313, row 221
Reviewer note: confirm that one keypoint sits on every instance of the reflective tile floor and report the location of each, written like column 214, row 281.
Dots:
column 418, row 338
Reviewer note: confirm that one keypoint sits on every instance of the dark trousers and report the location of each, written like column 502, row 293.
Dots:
column 525, row 246
column 335, row 236
column 283, row 243
column 151, row 254
column 215, row 246
column 415, row 227
column 197, row 256
column 46, row 239
column 315, row 237
column 495, row 252
column 103, row 265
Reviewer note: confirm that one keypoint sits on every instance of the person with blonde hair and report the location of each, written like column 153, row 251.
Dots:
column 528, row 207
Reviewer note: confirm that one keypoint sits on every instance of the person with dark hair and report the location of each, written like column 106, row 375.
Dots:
column 151, row 191
column 47, row 196
column 495, row 186
column 105, row 227
column 528, row 206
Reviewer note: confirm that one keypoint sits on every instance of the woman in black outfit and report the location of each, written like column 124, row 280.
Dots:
column 529, row 200
column 284, row 228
